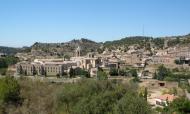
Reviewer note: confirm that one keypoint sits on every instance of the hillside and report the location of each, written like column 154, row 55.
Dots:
column 179, row 40
column 144, row 42
column 127, row 42
column 67, row 48
column 12, row 51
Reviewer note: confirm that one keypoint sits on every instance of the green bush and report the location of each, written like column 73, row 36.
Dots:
column 162, row 72
column 133, row 72
column 113, row 72
column 3, row 71
column 9, row 90
column 101, row 75
column 100, row 97
column 6, row 61
column 180, row 105
column 122, row 72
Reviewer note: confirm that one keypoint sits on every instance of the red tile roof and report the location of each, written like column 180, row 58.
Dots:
column 167, row 97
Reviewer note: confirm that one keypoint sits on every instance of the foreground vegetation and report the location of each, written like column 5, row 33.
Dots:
column 88, row 96
column 5, row 62
column 177, row 75
column 179, row 106
column 101, row 97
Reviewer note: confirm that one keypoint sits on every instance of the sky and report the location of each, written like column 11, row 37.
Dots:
column 24, row 22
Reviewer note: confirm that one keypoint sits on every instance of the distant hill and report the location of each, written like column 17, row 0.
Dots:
column 127, row 41
column 67, row 48
column 179, row 40
column 86, row 45
column 12, row 51
column 143, row 41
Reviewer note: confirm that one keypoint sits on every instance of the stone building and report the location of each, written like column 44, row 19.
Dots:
column 164, row 59
column 133, row 59
column 78, row 52
column 87, row 62
column 179, row 52
column 44, row 68
column 3, row 55
column 25, row 68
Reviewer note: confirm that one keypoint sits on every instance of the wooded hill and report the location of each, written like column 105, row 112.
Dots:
column 86, row 45
column 67, row 47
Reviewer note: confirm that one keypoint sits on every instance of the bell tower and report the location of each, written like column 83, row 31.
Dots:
column 77, row 51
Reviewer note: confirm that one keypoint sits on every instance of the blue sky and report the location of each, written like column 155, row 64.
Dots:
column 23, row 22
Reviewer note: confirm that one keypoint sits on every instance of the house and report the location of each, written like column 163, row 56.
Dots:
column 163, row 59
column 57, row 67
column 87, row 62
column 155, row 84
column 132, row 59
column 163, row 100
column 146, row 74
column 93, row 72
column 3, row 54
column 47, row 68
column 179, row 52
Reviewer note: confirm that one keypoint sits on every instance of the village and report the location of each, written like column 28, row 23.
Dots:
column 135, row 64
column 94, row 57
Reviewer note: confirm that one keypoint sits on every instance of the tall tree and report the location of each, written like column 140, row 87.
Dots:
column 71, row 72
column 162, row 72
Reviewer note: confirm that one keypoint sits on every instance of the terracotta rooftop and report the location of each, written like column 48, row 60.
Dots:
column 167, row 97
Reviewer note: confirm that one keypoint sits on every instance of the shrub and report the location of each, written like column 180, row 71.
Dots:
column 133, row 72
column 100, row 97
column 101, row 75
column 9, row 90
column 113, row 72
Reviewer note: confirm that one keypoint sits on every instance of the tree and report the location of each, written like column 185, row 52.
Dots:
column 174, row 42
column 63, row 74
column 9, row 91
column 71, row 72
column 66, row 57
column 180, row 105
column 34, row 72
column 84, row 73
column 99, row 50
column 178, row 62
column 132, row 104
column 3, row 71
column 145, row 93
column 158, row 42
column 148, row 46
column 134, row 72
column 162, row 72
column 122, row 72
column 25, row 73
column 101, row 75
column 113, row 72
column 155, row 75
column 58, row 75
column 45, row 74
column 101, row 97
column 5, row 62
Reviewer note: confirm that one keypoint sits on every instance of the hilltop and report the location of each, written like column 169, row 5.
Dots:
column 86, row 45
column 145, row 42
column 12, row 50
column 65, row 48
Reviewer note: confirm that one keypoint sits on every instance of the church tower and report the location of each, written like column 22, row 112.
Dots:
column 77, row 52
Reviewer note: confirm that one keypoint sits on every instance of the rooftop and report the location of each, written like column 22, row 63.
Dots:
column 167, row 97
